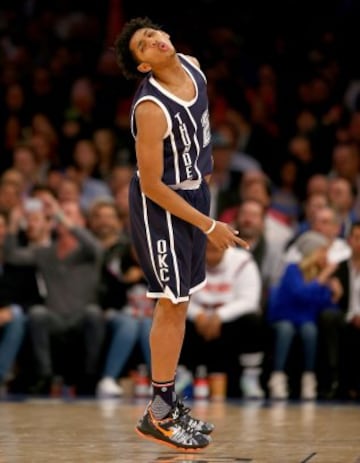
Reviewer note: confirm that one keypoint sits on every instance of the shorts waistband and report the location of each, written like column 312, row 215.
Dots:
column 187, row 185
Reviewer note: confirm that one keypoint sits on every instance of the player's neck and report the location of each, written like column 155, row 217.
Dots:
column 171, row 74
column 176, row 81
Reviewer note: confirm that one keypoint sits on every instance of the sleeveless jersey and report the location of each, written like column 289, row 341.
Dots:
column 187, row 142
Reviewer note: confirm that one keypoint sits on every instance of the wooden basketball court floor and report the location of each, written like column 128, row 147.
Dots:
column 102, row 431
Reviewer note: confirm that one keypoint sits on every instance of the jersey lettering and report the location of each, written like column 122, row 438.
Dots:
column 162, row 254
column 187, row 145
column 205, row 122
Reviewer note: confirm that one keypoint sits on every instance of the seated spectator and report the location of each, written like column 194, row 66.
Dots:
column 106, row 144
column 325, row 221
column 12, row 329
column 345, row 164
column 128, row 324
column 224, row 322
column 24, row 161
column 304, row 290
column 340, row 330
column 85, row 172
column 284, row 194
column 313, row 202
column 12, row 318
column 69, row 315
column 122, row 295
column 250, row 222
column 342, row 199
column 317, row 184
column 35, row 230
column 16, row 178
column 68, row 189
column 120, row 176
column 10, row 194
column 255, row 185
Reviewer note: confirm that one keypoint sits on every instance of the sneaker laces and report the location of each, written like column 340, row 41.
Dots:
column 182, row 432
column 187, row 420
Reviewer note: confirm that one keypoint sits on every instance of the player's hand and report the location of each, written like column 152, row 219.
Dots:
column 224, row 236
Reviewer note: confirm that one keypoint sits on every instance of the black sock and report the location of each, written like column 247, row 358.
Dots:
column 163, row 398
column 165, row 390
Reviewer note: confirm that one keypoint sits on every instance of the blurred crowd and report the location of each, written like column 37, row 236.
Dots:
column 282, row 319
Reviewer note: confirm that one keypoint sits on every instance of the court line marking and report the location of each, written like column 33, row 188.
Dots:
column 308, row 458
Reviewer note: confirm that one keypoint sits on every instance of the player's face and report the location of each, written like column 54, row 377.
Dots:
column 150, row 46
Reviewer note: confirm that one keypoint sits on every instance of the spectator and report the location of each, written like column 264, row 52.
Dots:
column 10, row 195
column 15, row 177
column 79, row 117
column 326, row 222
column 24, row 161
column 250, row 222
column 346, row 164
column 313, row 202
column 69, row 268
column 284, row 194
column 224, row 322
column 12, row 318
column 340, row 330
column 122, row 295
column 304, row 290
column 256, row 186
column 68, row 189
column 84, row 171
column 106, row 144
column 342, row 199
column 120, row 175
column 317, row 183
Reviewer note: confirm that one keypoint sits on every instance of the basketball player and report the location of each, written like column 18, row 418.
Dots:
column 169, row 206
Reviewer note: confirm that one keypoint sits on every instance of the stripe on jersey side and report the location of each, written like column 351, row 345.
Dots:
column 173, row 253
column 175, row 158
column 148, row 238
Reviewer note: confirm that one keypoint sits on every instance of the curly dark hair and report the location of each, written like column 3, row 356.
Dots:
column 125, row 58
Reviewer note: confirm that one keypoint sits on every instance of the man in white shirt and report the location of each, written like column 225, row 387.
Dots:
column 224, row 321
column 250, row 222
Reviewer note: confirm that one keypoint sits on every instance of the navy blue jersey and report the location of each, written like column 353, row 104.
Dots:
column 187, row 143
column 170, row 250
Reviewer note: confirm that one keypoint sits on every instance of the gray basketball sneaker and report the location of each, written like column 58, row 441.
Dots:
column 172, row 431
